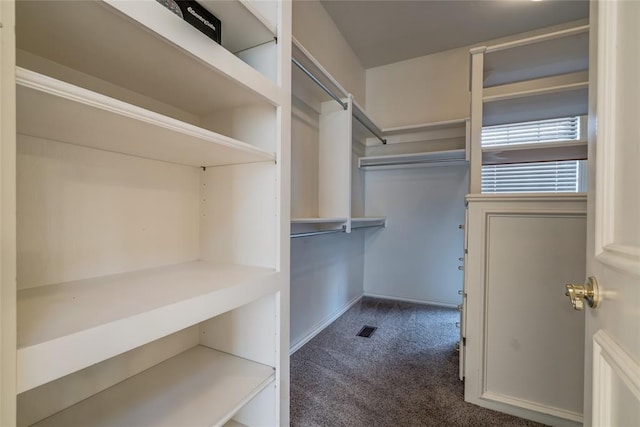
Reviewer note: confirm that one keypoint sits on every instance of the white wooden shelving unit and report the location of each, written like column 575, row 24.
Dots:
column 424, row 145
column 328, row 189
column 325, row 107
column 535, row 78
column 151, row 237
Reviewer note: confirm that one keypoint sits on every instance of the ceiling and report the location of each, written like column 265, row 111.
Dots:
column 385, row 31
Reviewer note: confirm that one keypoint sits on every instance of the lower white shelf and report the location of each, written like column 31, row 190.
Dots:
column 66, row 327
column 314, row 226
column 200, row 387
column 371, row 221
column 317, row 220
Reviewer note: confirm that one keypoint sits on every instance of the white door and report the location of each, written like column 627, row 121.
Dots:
column 612, row 347
column 7, row 215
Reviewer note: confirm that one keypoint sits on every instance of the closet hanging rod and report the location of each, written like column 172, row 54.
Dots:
column 367, row 226
column 316, row 233
column 384, row 141
column 319, row 83
column 335, row 97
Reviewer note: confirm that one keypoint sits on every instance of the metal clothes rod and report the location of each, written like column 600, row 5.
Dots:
column 316, row 233
column 319, row 83
column 384, row 141
column 367, row 226
column 334, row 97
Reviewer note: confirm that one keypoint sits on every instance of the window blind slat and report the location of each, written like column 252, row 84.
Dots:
column 558, row 176
column 540, row 131
column 531, row 177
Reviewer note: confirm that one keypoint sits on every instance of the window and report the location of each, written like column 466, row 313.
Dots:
column 544, row 177
column 536, row 177
column 553, row 130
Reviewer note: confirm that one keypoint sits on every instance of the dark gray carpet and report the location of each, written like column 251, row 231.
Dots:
column 406, row 374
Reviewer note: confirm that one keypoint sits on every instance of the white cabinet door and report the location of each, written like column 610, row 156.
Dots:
column 612, row 346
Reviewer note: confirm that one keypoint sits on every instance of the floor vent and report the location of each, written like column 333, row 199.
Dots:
column 367, row 331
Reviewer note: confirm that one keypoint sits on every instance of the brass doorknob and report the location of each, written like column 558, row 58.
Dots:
column 589, row 292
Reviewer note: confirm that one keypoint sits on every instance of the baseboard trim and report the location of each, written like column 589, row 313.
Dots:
column 415, row 301
column 322, row 325
column 529, row 410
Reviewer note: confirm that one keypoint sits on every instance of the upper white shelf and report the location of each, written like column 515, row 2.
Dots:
column 424, row 132
column 56, row 110
column 65, row 327
column 363, row 125
column 535, row 152
column 245, row 26
column 560, row 52
column 537, row 104
column 143, row 47
column 432, row 126
column 200, row 387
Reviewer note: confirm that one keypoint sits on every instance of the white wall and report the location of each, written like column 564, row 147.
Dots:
column 430, row 88
column 314, row 28
column 326, row 277
column 416, row 256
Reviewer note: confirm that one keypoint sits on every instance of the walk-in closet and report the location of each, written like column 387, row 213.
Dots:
column 401, row 196
column 317, row 213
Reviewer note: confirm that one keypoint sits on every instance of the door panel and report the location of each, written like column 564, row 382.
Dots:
column 524, row 343
column 612, row 340
column 534, row 343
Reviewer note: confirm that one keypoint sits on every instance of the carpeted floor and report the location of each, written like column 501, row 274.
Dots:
column 405, row 375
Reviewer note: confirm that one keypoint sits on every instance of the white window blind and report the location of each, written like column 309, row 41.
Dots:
column 563, row 129
column 543, row 177
column 546, row 177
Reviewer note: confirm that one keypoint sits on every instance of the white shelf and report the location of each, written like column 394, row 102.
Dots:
column 66, row 327
column 363, row 125
column 424, row 132
column 157, row 54
column 536, row 152
column 561, row 52
column 363, row 222
column 434, row 158
column 538, row 104
column 200, row 387
column 447, row 124
column 304, row 227
column 51, row 109
column 315, row 220
column 246, row 26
